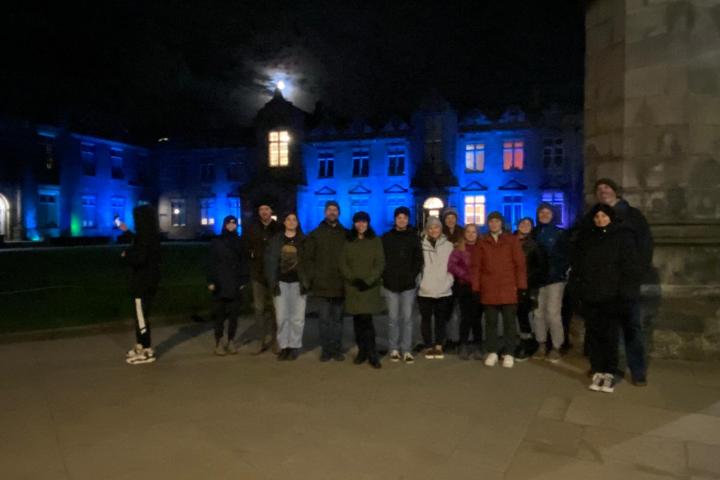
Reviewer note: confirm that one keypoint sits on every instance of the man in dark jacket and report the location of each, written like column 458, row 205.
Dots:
column 143, row 258
column 256, row 238
column 227, row 277
column 322, row 253
column 609, row 193
column 403, row 264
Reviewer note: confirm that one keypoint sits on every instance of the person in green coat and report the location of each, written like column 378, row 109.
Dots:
column 362, row 262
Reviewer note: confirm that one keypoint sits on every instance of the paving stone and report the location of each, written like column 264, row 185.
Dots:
column 704, row 459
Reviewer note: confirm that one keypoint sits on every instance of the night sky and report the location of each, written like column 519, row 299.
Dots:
column 146, row 69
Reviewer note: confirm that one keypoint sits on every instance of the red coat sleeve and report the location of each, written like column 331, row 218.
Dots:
column 520, row 267
column 475, row 267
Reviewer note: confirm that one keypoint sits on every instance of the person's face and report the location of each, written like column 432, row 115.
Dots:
column 291, row 222
column 332, row 213
column 401, row 221
column 450, row 221
column 545, row 216
column 606, row 195
column 434, row 231
column 495, row 225
column 265, row 213
column 601, row 219
column 525, row 227
column 471, row 234
column 231, row 226
column 361, row 226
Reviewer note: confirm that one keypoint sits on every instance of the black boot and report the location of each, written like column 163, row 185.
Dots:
column 361, row 356
column 374, row 361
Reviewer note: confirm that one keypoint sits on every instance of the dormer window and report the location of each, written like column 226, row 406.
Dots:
column 278, row 141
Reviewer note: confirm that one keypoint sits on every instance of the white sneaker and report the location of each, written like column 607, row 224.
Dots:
column 134, row 351
column 491, row 360
column 408, row 358
column 597, row 381
column 608, row 384
column 395, row 356
column 146, row 355
column 508, row 361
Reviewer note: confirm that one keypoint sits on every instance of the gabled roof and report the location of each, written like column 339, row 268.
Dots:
column 325, row 191
column 513, row 185
column 474, row 187
column 359, row 190
column 395, row 188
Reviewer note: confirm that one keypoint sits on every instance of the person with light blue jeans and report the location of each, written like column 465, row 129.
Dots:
column 403, row 264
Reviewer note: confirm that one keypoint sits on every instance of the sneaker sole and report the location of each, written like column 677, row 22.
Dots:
column 553, row 360
column 508, row 366
column 131, row 361
column 594, row 388
column 607, row 390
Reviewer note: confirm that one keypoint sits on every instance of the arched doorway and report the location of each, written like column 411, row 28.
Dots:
column 432, row 207
column 4, row 218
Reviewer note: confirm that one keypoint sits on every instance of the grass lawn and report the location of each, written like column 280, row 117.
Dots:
column 64, row 287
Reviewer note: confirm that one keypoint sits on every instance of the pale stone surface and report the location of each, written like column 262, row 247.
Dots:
column 72, row 409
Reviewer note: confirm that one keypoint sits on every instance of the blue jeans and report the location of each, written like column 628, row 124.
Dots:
column 400, row 309
column 632, row 328
column 330, row 316
column 290, row 315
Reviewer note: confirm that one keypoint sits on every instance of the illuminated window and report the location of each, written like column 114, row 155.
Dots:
column 553, row 153
column 432, row 206
column 475, row 157
column 177, row 213
column 396, row 161
column 116, row 162
column 557, row 200
column 88, row 211
column 361, row 163
column 207, row 211
column 512, row 209
column 326, row 164
column 279, row 141
column 475, row 209
column 47, row 211
column 87, row 151
column 513, row 155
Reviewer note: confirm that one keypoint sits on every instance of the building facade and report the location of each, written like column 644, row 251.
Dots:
column 65, row 184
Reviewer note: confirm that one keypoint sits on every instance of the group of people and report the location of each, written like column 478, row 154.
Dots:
column 526, row 282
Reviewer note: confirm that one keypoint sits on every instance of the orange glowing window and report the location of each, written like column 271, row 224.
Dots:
column 513, row 155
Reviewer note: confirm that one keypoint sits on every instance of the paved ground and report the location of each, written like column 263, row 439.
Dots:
column 72, row 409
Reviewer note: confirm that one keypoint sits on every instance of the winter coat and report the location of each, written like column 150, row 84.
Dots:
column 632, row 219
column 534, row 262
column 256, row 238
column 403, row 259
column 436, row 281
column 322, row 254
column 228, row 265
column 364, row 260
column 143, row 255
column 273, row 257
column 554, row 247
column 608, row 267
column 498, row 269
column 459, row 265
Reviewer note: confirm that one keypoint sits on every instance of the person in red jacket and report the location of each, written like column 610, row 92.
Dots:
column 498, row 275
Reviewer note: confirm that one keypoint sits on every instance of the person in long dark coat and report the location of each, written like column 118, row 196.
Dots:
column 528, row 299
column 227, row 278
column 607, row 275
column 143, row 258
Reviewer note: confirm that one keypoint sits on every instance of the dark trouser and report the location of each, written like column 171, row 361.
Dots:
column 510, row 335
column 523, row 315
column 631, row 324
column 265, row 327
column 226, row 308
column 440, row 308
column 603, row 332
column 142, row 319
column 365, row 334
column 470, row 315
column 569, row 305
column 330, row 316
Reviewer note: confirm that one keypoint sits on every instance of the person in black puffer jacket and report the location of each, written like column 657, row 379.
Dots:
column 143, row 258
column 227, row 277
column 528, row 299
column 607, row 273
column 403, row 264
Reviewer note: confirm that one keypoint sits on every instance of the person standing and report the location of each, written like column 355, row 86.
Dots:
column 527, row 301
column 499, row 276
column 607, row 274
column 403, row 264
column 322, row 252
column 143, row 258
column 450, row 228
column 227, row 277
column 454, row 233
column 554, row 247
column 469, row 301
column 435, row 292
column 286, row 278
column 609, row 192
column 362, row 262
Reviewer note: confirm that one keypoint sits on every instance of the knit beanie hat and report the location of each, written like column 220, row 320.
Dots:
column 402, row 210
column 361, row 217
column 449, row 211
column 432, row 221
column 332, row 203
column 610, row 183
column 606, row 209
column 496, row 215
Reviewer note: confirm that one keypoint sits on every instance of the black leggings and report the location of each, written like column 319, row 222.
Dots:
column 365, row 334
column 440, row 308
column 226, row 308
column 602, row 327
column 471, row 311
column 142, row 319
